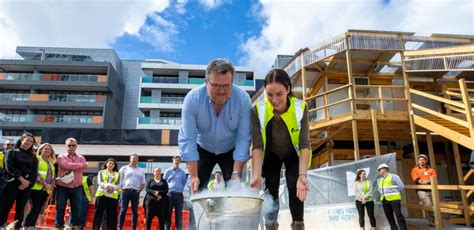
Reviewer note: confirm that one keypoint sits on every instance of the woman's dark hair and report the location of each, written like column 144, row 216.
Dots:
column 23, row 136
column 358, row 174
column 115, row 164
column 279, row 76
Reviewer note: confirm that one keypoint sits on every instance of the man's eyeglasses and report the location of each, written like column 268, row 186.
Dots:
column 217, row 86
column 71, row 145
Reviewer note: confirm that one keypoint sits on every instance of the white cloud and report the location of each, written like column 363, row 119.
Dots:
column 212, row 4
column 84, row 23
column 291, row 25
column 180, row 6
column 161, row 34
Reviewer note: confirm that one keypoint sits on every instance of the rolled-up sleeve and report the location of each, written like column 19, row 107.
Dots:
column 242, row 146
column 396, row 179
column 187, row 138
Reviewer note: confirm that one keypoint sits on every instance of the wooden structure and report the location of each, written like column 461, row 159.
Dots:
column 391, row 87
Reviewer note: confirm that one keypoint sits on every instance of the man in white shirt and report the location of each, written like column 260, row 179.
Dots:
column 132, row 182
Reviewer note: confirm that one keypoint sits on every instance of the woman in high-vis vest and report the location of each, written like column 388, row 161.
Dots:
column 45, row 182
column 364, row 189
column 280, row 135
column 106, row 197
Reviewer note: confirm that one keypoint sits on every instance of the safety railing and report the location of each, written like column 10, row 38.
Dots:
column 162, row 100
column 438, row 207
column 380, row 98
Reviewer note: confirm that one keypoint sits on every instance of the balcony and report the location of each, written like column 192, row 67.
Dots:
column 190, row 81
column 159, row 123
column 52, row 77
column 51, row 100
column 147, row 102
column 56, row 121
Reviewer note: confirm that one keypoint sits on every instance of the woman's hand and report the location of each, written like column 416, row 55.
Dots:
column 302, row 187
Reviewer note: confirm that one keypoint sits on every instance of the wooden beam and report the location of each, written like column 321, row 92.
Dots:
column 376, row 132
column 436, row 206
column 457, row 159
column 467, row 106
column 443, row 131
column 356, row 140
column 438, row 114
column 441, row 51
column 303, row 77
column 437, row 98
column 429, row 142
column 406, row 82
column 331, row 122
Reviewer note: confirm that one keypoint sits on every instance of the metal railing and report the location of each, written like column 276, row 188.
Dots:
column 160, row 120
column 162, row 100
column 68, row 119
column 49, row 77
column 11, row 97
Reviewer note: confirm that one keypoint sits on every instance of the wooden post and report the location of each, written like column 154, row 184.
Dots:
column 416, row 150
column 457, row 159
column 381, row 100
column 436, row 206
column 429, row 142
column 467, row 106
column 326, row 98
column 303, row 76
column 356, row 140
column 352, row 96
column 375, row 131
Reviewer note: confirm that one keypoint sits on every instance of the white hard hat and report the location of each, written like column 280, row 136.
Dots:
column 67, row 178
column 422, row 155
column 383, row 166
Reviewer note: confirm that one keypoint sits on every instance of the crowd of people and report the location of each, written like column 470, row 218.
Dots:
column 219, row 127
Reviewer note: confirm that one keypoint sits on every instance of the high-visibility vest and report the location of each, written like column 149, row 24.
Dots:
column 42, row 172
column 105, row 177
column 387, row 189
column 211, row 184
column 365, row 190
column 292, row 119
column 2, row 155
column 87, row 191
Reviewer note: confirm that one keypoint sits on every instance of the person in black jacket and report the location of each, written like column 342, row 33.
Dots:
column 21, row 169
column 156, row 201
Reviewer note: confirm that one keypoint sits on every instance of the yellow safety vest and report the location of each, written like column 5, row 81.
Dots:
column 105, row 177
column 388, row 190
column 364, row 191
column 2, row 155
column 42, row 172
column 210, row 186
column 87, row 191
column 292, row 118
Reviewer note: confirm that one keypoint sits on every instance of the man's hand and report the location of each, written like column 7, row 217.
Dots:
column 256, row 183
column 194, row 186
column 302, row 188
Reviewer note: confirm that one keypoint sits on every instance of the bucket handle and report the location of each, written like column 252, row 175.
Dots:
column 209, row 204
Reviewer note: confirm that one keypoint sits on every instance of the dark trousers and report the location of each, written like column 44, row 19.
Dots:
column 390, row 207
column 156, row 208
column 369, row 206
column 38, row 198
column 84, row 209
column 208, row 160
column 109, row 206
column 74, row 196
column 11, row 193
column 129, row 196
column 175, row 200
column 271, row 172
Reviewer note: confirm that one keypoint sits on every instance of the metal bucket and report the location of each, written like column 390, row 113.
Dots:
column 227, row 212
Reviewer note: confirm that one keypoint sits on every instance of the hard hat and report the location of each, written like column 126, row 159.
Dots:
column 383, row 166
column 67, row 178
column 422, row 155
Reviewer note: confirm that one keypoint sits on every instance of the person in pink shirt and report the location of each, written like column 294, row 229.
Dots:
column 69, row 162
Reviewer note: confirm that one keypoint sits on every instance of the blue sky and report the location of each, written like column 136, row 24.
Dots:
column 247, row 32
column 203, row 34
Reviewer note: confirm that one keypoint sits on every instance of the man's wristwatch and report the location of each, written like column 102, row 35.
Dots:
column 236, row 172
